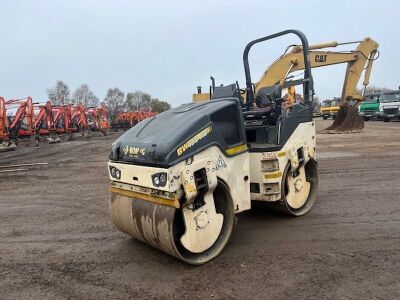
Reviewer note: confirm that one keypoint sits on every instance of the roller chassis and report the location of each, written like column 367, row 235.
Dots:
column 265, row 169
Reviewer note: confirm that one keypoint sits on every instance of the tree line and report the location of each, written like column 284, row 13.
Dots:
column 115, row 99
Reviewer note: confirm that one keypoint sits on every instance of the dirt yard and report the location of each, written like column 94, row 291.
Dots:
column 57, row 241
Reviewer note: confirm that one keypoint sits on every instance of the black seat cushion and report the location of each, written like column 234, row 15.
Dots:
column 268, row 95
column 257, row 114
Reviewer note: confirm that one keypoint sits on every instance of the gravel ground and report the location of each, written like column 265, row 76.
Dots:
column 57, row 240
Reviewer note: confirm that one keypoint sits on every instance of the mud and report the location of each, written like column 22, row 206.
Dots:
column 57, row 240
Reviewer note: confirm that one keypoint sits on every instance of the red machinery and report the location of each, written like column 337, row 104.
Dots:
column 4, row 126
column 5, row 144
column 62, row 118
column 79, row 121
column 44, row 121
column 129, row 119
column 97, row 118
column 21, row 125
column 33, row 119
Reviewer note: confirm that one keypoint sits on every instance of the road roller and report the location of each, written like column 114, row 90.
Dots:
column 178, row 179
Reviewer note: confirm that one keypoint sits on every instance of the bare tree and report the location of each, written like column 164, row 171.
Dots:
column 115, row 102
column 137, row 100
column 373, row 89
column 316, row 104
column 159, row 106
column 59, row 94
column 85, row 96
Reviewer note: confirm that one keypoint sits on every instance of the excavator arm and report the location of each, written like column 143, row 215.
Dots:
column 24, row 112
column 79, row 116
column 358, row 61
column 44, row 117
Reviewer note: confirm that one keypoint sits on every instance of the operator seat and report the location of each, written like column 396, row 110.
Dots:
column 261, row 123
column 268, row 101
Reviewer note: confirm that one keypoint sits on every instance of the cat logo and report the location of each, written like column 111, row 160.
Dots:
column 220, row 163
column 320, row 58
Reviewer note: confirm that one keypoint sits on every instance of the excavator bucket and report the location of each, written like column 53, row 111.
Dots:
column 347, row 120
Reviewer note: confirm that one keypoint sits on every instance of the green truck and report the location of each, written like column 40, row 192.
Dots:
column 369, row 108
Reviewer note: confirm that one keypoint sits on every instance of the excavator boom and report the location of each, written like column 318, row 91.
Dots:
column 358, row 61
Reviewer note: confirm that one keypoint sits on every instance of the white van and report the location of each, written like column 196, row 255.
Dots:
column 389, row 106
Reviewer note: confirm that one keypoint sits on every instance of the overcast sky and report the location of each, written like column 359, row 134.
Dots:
column 167, row 48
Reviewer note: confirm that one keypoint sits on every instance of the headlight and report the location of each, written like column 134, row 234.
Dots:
column 115, row 173
column 163, row 179
column 159, row 179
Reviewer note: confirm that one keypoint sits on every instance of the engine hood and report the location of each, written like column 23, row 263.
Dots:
column 178, row 133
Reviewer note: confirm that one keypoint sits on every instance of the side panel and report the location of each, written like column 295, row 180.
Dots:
column 232, row 170
column 267, row 168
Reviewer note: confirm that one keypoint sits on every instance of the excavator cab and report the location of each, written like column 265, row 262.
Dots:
column 178, row 179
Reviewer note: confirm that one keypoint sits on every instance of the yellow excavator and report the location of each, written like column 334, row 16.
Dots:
column 358, row 61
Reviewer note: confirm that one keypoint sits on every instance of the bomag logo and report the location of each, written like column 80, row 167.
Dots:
column 194, row 140
column 133, row 151
column 320, row 58
column 125, row 150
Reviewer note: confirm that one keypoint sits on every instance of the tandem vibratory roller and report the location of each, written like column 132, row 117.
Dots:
column 178, row 179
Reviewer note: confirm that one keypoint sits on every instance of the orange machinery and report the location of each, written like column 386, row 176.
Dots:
column 97, row 118
column 129, row 119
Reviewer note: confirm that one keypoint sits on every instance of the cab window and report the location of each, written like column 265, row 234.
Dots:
column 390, row 98
column 371, row 99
